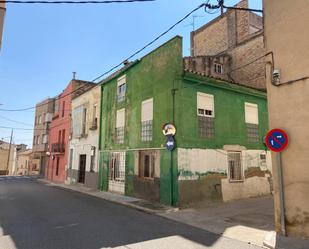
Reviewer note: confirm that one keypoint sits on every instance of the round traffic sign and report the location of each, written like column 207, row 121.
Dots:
column 277, row 140
column 170, row 143
column 169, row 129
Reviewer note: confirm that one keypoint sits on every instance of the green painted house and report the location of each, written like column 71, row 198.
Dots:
column 219, row 152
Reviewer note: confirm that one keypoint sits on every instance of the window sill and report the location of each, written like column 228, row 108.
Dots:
column 236, row 181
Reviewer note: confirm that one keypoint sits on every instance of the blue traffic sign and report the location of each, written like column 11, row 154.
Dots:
column 276, row 140
column 170, row 143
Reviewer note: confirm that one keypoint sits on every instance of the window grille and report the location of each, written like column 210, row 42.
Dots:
column 252, row 133
column 121, row 88
column 117, row 166
column 234, row 166
column 218, row 68
column 206, row 127
column 120, row 135
column 146, row 132
column 121, row 93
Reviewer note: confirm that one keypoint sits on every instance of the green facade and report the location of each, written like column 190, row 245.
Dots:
column 159, row 75
column 229, row 120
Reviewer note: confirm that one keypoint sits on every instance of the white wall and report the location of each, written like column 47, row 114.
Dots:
column 201, row 161
column 83, row 145
column 193, row 162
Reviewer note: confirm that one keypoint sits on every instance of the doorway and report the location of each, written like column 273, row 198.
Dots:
column 82, row 168
column 116, row 181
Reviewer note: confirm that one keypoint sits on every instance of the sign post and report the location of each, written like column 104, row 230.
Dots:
column 169, row 131
column 277, row 140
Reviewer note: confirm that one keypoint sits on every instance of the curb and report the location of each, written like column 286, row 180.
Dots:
column 127, row 204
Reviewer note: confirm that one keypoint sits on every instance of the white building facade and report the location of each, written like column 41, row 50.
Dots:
column 84, row 140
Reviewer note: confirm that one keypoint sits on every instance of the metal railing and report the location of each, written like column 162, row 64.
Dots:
column 58, row 148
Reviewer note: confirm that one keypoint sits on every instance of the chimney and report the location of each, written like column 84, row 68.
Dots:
column 74, row 75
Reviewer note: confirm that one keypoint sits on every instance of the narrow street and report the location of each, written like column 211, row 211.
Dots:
column 34, row 215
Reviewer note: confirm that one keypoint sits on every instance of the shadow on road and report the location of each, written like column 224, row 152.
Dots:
column 34, row 215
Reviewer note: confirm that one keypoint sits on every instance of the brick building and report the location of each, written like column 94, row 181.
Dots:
column 43, row 116
column 223, row 46
column 60, row 129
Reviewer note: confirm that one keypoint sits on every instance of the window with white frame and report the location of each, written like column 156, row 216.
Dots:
column 206, row 114
column 120, row 122
column 252, row 122
column 218, row 68
column 121, row 88
column 84, row 121
column 44, row 139
column 71, row 158
column 48, row 117
column 94, row 117
column 234, row 166
column 79, row 121
column 92, row 158
column 146, row 120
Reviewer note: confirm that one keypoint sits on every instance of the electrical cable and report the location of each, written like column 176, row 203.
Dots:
column 205, row 5
column 151, row 42
column 243, row 9
column 15, row 121
column 116, row 66
column 73, row 2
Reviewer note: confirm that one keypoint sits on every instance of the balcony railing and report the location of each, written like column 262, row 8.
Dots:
column 58, row 148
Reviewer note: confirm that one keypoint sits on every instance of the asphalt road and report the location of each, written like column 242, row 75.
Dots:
column 34, row 215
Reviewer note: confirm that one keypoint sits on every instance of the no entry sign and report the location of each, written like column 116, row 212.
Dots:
column 276, row 140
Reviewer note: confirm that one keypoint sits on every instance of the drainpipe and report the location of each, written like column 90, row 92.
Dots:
column 173, row 92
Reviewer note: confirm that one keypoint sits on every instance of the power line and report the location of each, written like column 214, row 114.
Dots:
column 15, row 121
column 46, row 103
column 118, row 65
column 74, row 2
column 19, row 128
column 242, row 9
column 151, row 42
column 205, row 5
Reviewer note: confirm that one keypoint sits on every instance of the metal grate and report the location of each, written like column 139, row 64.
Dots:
column 235, row 168
column 206, row 127
column 121, row 93
column 116, row 171
column 146, row 131
column 252, row 133
column 120, row 135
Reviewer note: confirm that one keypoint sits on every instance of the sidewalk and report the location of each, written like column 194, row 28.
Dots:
column 249, row 220
column 136, row 203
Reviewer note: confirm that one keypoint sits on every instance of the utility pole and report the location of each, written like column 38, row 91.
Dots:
column 9, row 154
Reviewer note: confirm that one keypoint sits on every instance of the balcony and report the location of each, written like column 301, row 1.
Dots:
column 40, row 147
column 58, row 148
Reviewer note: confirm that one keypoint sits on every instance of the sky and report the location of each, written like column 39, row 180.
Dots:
column 43, row 44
